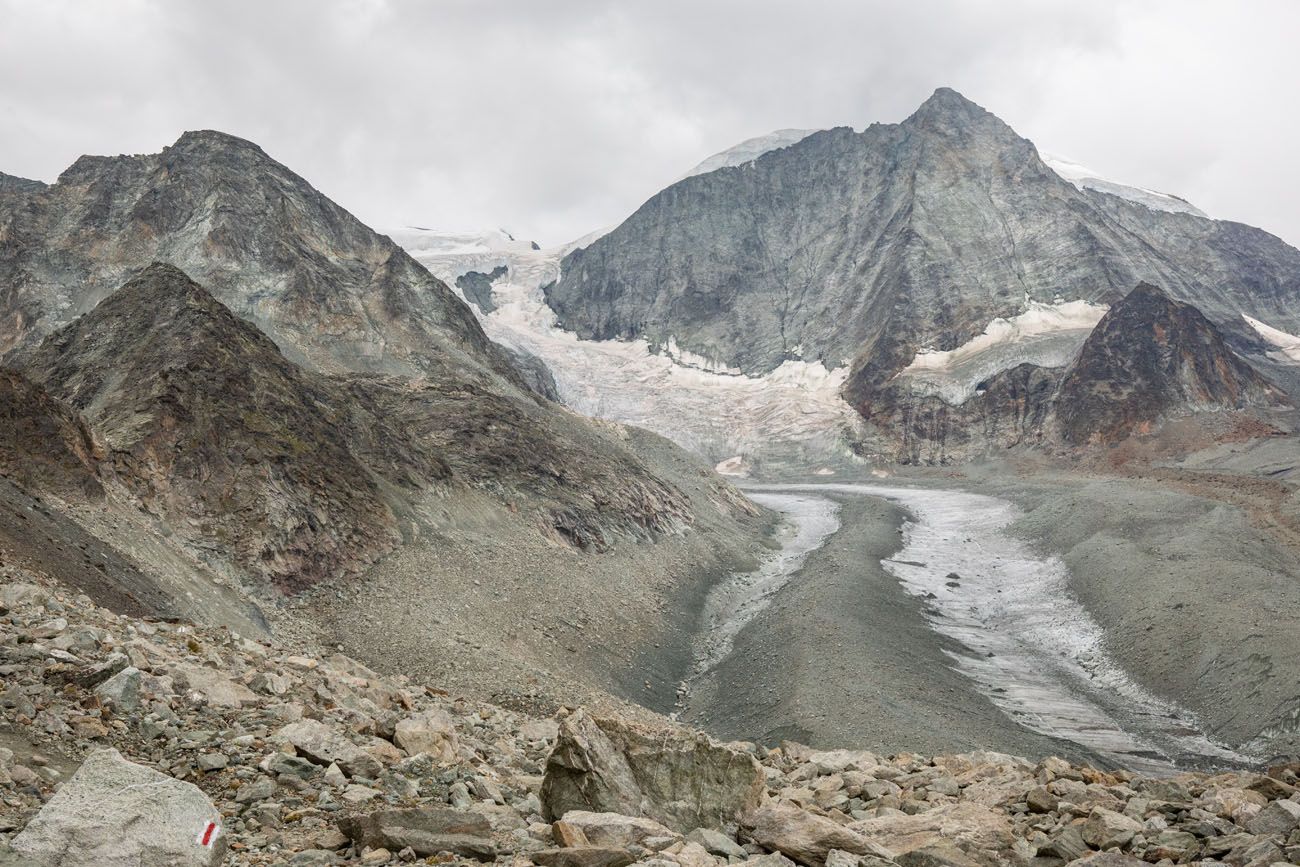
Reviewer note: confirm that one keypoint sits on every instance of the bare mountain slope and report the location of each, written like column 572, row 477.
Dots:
column 870, row 250
column 286, row 402
column 328, row 290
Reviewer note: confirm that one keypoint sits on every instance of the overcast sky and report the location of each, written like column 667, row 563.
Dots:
column 554, row 117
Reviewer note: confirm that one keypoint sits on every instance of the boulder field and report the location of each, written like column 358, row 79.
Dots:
column 134, row 741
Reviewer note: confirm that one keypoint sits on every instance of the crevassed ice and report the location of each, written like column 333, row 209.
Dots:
column 1288, row 345
column 697, row 402
column 1086, row 179
column 1045, row 335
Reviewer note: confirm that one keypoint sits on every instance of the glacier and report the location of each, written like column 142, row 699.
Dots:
column 1085, row 178
column 1045, row 335
column 794, row 411
column 749, row 150
column 1020, row 634
column 1287, row 345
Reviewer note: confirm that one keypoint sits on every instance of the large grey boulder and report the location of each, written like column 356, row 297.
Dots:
column 425, row 830
column 432, row 732
column 112, row 811
column 615, row 830
column 1106, row 829
column 122, row 690
column 317, row 742
column 682, row 780
column 984, row 834
column 213, row 686
column 804, row 836
column 1277, row 819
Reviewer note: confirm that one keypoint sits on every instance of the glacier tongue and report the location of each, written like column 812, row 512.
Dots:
column 1045, row 335
column 794, row 411
column 1288, row 345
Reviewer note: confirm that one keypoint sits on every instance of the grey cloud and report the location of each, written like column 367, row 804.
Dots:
column 554, row 118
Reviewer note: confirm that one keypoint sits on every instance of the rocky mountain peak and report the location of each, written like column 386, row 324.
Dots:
column 159, row 317
column 947, row 102
column 187, row 397
column 159, row 287
column 1151, row 356
column 331, row 292
column 211, row 140
column 950, row 114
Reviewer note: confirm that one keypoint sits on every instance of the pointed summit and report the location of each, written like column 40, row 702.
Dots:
column 950, row 114
column 211, row 140
column 946, row 101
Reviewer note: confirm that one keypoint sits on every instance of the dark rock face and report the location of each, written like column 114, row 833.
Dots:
column 211, row 425
column 534, row 372
column 44, row 443
column 16, row 186
column 864, row 248
column 1149, row 357
column 477, row 287
column 1011, row 408
column 330, row 292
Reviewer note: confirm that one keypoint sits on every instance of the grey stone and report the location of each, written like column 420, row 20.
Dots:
column 583, row 856
column 122, row 690
column 682, row 780
column 323, row 745
column 615, row 830
column 432, row 732
column 1106, row 829
column 804, row 836
column 1277, row 819
column 212, row 762
column 717, row 842
column 426, row 830
column 114, row 812
column 294, row 766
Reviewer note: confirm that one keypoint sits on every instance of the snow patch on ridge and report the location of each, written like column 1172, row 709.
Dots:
column 1045, row 335
column 1288, row 345
column 697, row 402
column 1086, row 179
column 431, row 242
column 750, row 150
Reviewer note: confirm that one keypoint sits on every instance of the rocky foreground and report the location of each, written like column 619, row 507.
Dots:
column 197, row 746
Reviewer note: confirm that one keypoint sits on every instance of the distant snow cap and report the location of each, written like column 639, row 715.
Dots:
column 416, row 240
column 750, row 150
column 1288, row 345
column 1086, row 179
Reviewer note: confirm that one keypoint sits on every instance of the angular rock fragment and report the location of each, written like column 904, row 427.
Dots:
column 425, row 830
column 683, row 780
column 323, row 745
column 804, row 836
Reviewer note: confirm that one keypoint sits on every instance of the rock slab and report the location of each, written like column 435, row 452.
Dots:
column 682, row 780
column 112, row 811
